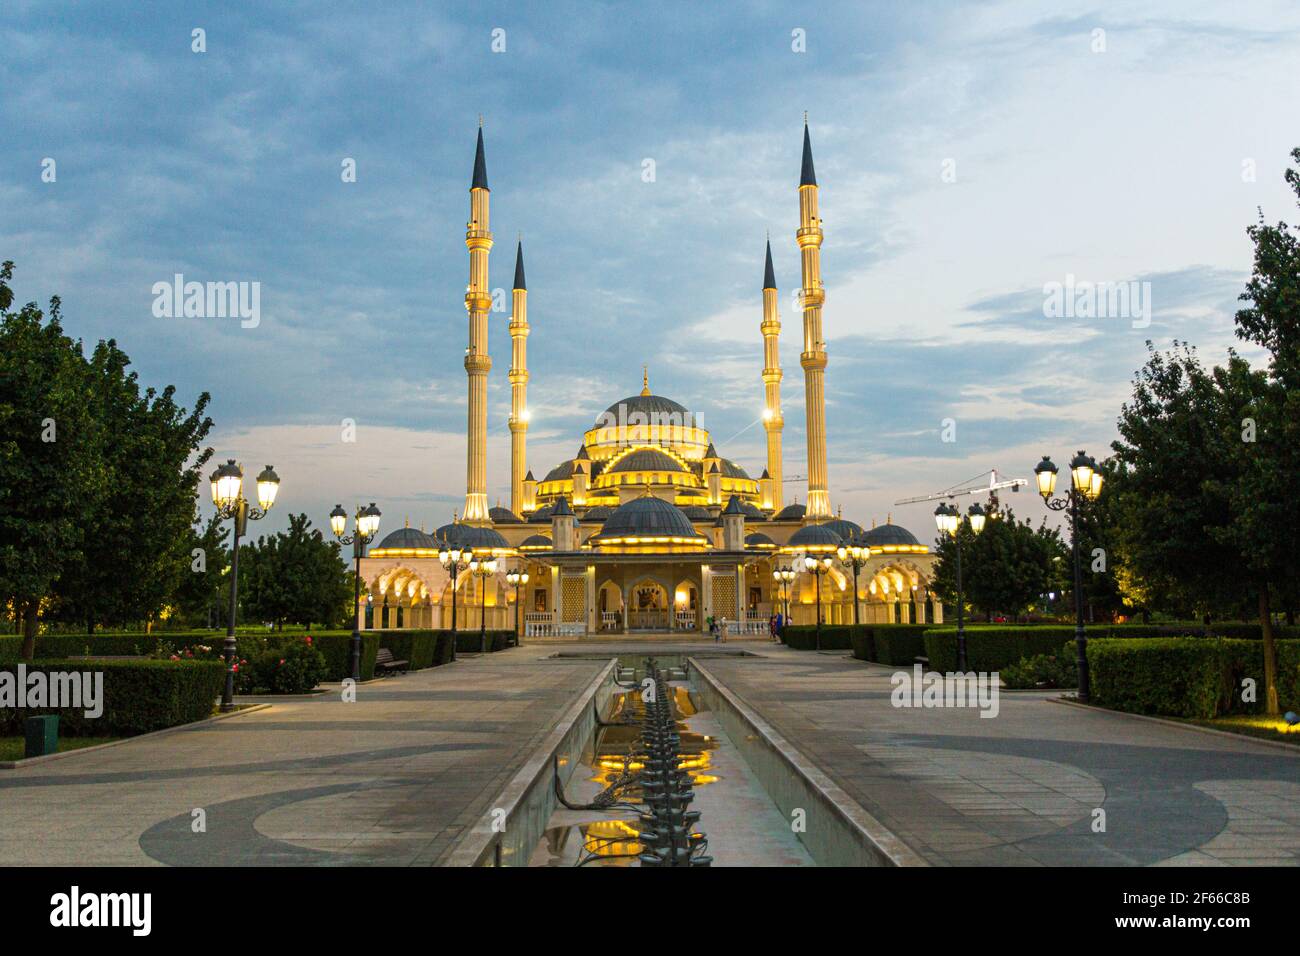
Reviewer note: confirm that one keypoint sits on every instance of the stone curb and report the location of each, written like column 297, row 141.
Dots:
column 1292, row 749
column 877, row 840
column 33, row 761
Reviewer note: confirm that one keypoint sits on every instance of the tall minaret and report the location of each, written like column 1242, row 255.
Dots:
column 813, row 357
column 478, row 302
column 773, row 418
column 518, row 384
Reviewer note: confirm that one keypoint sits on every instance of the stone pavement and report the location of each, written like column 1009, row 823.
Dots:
column 1020, row 788
column 391, row 779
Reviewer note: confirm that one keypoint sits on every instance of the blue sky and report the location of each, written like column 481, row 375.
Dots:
column 1115, row 165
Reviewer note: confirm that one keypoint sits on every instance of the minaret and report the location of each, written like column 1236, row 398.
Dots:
column 813, row 357
column 518, row 385
column 773, row 418
column 478, row 302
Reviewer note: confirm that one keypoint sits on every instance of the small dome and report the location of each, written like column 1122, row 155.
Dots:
column 759, row 540
column 888, row 534
column 752, row 510
column 540, row 516
column 597, row 514
column 501, row 515
column 697, row 513
column 647, row 517
column 408, row 538
column 646, row 459
column 848, row 530
column 560, row 472
column 817, row 537
column 794, row 512
column 535, row 542
column 731, row 470
column 649, row 406
column 479, row 539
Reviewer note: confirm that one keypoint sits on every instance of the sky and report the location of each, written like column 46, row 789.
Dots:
column 969, row 156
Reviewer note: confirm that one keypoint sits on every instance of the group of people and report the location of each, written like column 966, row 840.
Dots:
column 718, row 627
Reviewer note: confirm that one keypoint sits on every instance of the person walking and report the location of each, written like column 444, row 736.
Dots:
column 713, row 627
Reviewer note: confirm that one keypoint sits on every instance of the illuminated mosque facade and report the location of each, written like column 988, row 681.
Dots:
column 648, row 528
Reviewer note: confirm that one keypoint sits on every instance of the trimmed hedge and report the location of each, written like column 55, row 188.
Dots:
column 337, row 648
column 139, row 696
column 1188, row 677
column 993, row 648
column 803, row 637
column 469, row 642
column 898, row 645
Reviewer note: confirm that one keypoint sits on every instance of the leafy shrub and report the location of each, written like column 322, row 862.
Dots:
column 139, row 696
column 1173, row 676
column 1042, row 670
column 993, row 648
column 897, row 645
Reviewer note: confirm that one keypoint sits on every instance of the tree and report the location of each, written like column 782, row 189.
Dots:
column 295, row 577
column 51, row 469
column 203, row 586
column 1005, row 568
column 135, row 551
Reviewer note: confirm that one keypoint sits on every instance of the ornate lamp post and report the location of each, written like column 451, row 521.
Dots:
column 856, row 554
column 949, row 520
column 783, row 578
column 483, row 570
column 228, row 495
column 366, row 528
column 1085, row 485
column 516, row 579
column 817, row 568
column 455, row 561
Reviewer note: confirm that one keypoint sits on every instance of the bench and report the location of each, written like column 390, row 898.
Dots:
column 384, row 661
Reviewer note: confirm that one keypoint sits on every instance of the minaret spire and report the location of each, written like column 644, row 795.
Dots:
column 518, row 385
column 773, row 418
column 813, row 356
column 645, row 379
column 478, row 301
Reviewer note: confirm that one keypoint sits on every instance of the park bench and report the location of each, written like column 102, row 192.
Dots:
column 384, row 661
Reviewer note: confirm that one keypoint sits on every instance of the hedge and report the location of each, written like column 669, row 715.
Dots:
column 469, row 642
column 898, row 645
column 139, row 696
column 337, row 648
column 1188, row 677
column 993, row 648
column 803, row 637
column 419, row 648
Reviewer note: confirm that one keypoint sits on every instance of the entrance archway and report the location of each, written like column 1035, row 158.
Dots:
column 648, row 606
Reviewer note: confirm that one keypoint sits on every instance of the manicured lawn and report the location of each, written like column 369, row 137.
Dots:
column 12, row 748
column 1266, row 728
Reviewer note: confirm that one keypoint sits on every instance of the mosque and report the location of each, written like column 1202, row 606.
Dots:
column 647, row 528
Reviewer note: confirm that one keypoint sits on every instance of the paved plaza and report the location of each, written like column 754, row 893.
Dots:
column 394, row 778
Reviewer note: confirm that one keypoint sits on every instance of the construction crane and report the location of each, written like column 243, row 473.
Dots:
column 991, row 488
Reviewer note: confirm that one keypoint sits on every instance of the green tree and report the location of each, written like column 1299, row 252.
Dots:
column 1005, row 568
column 200, row 596
column 51, row 466
column 295, row 577
column 135, row 551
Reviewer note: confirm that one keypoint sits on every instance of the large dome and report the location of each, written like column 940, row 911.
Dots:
column 646, row 459
column 649, row 406
column 646, row 517
column 889, row 535
column 407, row 539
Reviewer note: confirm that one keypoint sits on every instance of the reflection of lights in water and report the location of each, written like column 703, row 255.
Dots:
column 611, row 838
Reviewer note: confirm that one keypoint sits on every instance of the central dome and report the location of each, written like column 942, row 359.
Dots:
column 646, row 517
column 653, row 407
column 647, row 459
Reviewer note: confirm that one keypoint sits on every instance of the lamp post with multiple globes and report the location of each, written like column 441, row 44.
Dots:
column 228, row 495
column 817, row 567
column 784, row 577
column 483, row 569
column 949, row 520
column 856, row 554
column 1085, row 485
column 367, row 527
column 517, row 579
column 455, row 560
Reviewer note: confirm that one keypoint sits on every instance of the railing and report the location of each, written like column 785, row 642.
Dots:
column 540, row 624
column 655, row 620
column 610, row 620
column 685, row 620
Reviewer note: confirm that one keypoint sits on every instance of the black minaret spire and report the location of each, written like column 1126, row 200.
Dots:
column 519, row 266
column 769, row 276
column 808, row 177
column 480, row 164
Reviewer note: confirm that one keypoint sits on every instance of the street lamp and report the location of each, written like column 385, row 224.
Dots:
column 949, row 521
column 228, row 495
column 1085, row 485
column 455, row 561
column 856, row 554
column 516, row 579
column 367, row 527
column 817, row 567
column 483, row 569
column 784, row 577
